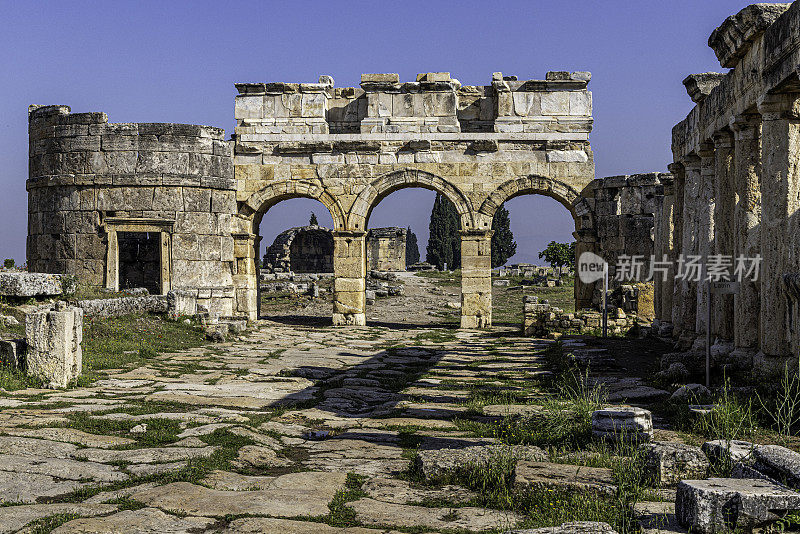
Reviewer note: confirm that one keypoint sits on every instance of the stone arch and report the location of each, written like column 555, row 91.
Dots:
column 384, row 185
column 580, row 209
column 566, row 195
column 259, row 202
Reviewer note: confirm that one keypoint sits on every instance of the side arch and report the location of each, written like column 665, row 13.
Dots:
column 260, row 201
column 565, row 194
column 382, row 186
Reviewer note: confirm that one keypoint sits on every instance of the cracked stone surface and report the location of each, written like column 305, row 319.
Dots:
column 271, row 424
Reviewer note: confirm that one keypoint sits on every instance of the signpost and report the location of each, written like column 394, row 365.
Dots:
column 715, row 288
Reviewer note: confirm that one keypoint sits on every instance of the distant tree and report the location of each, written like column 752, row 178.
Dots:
column 559, row 255
column 8, row 263
column 444, row 242
column 313, row 220
column 412, row 248
column 503, row 244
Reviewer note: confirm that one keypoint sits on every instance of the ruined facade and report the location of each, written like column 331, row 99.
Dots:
column 736, row 189
column 386, row 249
column 309, row 249
column 183, row 205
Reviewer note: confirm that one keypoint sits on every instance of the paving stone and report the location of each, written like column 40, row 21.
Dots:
column 66, row 469
column 144, row 456
column 580, row 527
column 401, row 492
column 298, row 494
column 657, row 517
column 30, row 487
column 224, row 480
column 144, row 521
column 142, row 470
column 564, row 476
column 13, row 518
column 255, row 456
column 714, row 505
column 71, row 435
column 667, row 463
column 35, row 447
column 259, row 525
column 376, row 513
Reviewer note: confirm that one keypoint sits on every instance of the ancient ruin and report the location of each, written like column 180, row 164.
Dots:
column 184, row 205
column 735, row 193
column 157, row 377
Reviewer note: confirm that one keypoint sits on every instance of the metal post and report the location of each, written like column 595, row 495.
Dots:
column 708, row 339
column 605, row 306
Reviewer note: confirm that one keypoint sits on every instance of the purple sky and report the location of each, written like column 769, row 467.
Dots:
column 177, row 62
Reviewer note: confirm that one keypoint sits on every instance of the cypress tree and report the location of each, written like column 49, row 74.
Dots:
column 412, row 248
column 313, row 220
column 503, row 244
column 444, row 243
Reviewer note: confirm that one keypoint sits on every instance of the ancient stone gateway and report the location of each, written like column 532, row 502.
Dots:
column 201, row 198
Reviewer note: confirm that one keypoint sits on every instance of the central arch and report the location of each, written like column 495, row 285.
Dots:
column 386, row 184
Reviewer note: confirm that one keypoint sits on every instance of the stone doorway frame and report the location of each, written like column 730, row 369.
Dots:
column 164, row 227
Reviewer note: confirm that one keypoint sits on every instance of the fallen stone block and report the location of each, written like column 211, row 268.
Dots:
column 667, row 463
column 21, row 284
column 563, row 476
column 723, row 451
column 778, row 463
column 623, row 424
column 444, row 465
column 53, row 339
column 721, row 505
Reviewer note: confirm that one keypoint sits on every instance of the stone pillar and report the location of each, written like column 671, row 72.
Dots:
column 54, row 341
column 725, row 196
column 584, row 242
column 667, row 248
column 747, row 221
column 349, row 286
column 705, row 205
column 245, row 276
column 780, row 199
column 476, row 279
column 689, row 234
column 679, row 172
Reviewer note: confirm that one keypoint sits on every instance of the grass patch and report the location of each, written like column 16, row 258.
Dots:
column 47, row 524
column 118, row 342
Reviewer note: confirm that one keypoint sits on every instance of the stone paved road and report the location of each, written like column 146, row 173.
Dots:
column 260, row 434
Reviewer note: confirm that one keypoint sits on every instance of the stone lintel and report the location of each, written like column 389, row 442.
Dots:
column 699, row 86
column 733, row 38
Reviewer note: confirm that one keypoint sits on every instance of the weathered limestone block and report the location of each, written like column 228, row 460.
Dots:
column 623, row 424
column 721, row 451
column 12, row 353
column 668, row 463
column 23, row 284
column 734, row 37
column 445, row 465
column 720, row 505
column 54, row 339
column 778, row 463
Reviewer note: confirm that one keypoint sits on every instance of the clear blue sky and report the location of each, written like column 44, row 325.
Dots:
column 142, row 61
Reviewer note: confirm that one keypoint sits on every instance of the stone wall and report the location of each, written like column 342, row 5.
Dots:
column 303, row 249
column 91, row 180
column 736, row 191
column 386, row 249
